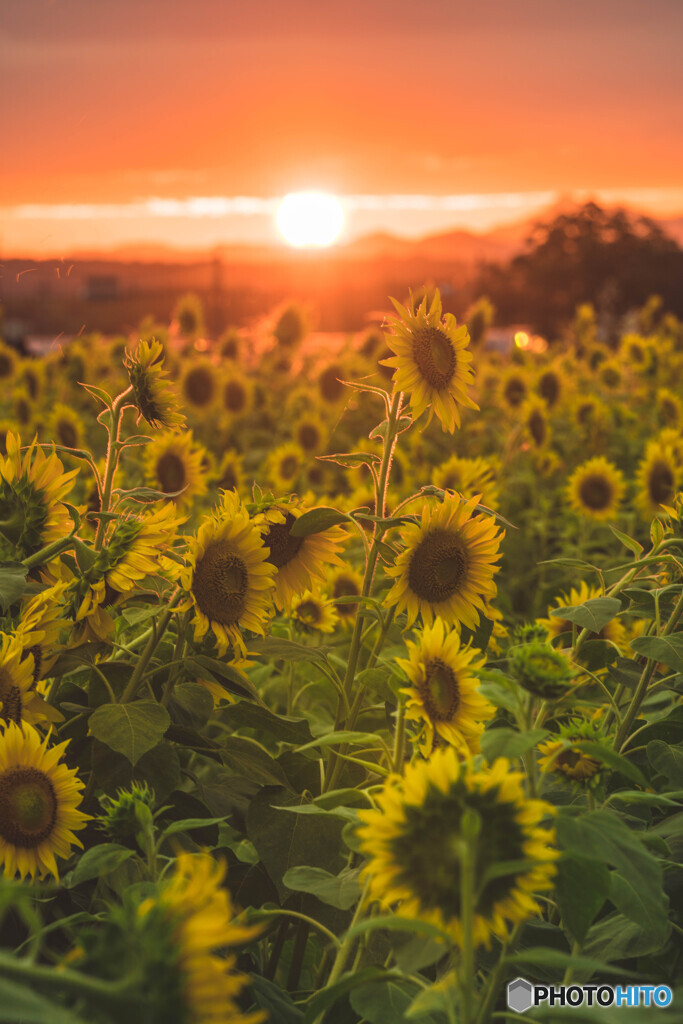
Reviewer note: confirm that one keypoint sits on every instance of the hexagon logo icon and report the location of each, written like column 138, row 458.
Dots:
column 520, row 995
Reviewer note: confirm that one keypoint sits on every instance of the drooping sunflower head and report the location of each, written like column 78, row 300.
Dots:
column 443, row 698
column 447, row 567
column 414, row 840
column 153, row 395
column 540, row 669
column 39, row 798
column 229, row 580
column 173, row 463
column 657, row 479
column 431, row 361
column 596, row 489
column 32, row 489
column 298, row 560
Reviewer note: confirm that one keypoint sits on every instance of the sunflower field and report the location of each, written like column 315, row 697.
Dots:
column 340, row 685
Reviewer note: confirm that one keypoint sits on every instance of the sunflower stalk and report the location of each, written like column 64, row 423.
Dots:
column 112, row 424
column 161, row 626
column 106, row 993
column 471, row 826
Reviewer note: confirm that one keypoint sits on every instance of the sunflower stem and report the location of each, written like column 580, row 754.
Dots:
column 149, row 650
column 113, row 452
column 49, row 551
column 399, row 738
column 484, row 1014
column 66, row 980
column 471, row 824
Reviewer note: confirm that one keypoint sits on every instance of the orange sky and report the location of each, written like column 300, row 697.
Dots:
column 120, row 101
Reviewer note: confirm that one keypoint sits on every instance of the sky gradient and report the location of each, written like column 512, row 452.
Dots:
column 127, row 101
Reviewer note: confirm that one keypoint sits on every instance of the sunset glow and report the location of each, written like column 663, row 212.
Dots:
column 310, row 219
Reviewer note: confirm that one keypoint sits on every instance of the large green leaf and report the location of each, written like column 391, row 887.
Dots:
column 668, row 760
column 341, row 891
column 12, row 583
column 159, row 768
column 130, row 729
column 327, row 997
column 504, row 742
column 245, row 714
column 615, row 937
column 19, row 1004
column 667, row 649
column 581, row 887
column 248, row 758
column 387, row 1000
column 593, row 614
column 278, row 647
column 316, row 520
column 98, row 861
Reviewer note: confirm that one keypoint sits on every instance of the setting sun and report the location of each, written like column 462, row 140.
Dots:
column 310, row 218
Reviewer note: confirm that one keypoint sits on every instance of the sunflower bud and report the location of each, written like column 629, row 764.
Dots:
column 124, row 815
column 541, row 670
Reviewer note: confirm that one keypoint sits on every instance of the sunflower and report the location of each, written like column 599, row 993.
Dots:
column 551, row 386
column 39, row 624
column 431, row 360
column 197, row 909
column 669, row 408
column 8, row 362
column 236, row 393
column 555, row 624
column 154, row 398
column 32, row 488
column 38, row 803
column 66, row 428
column 315, row 613
column 468, row 477
column 330, row 386
column 562, row 755
column 198, row 385
column 534, row 419
column 284, row 465
column 228, row 579
column 596, row 489
column 657, row 479
column 297, row 560
column 230, row 473
column 291, row 324
column 514, row 388
column 16, row 681
column 610, row 374
column 310, row 433
column 444, row 694
column 345, row 581
column 413, row 841
column 447, row 566
column 32, row 375
column 23, row 408
column 230, row 345
column 173, row 462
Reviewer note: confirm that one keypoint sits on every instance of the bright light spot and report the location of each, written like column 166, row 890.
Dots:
column 310, row 218
column 522, row 339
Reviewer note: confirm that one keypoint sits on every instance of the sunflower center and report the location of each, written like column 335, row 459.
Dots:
column 515, row 390
column 309, row 436
column 288, row 467
column 171, row 473
column 28, row 806
column 434, row 354
column 661, row 482
column 331, row 387
column 439, row 566
column 345, row 587
column 549, row 388
column 234, row 396
column 66, row 434
column 220, row 583
column 199, row 386
column 309, row 610
column 283, row 547
column 537, row 427
column 439, row 691
column 10, row 695
column 595, row 492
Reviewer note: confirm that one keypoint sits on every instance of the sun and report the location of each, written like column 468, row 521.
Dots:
column 310, row 218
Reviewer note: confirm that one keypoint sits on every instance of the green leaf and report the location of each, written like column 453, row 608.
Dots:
column 667, row 649
column 635, row 796
column 246, row 715
column 386, row 1000
column 188, row 824
column 615, row 937
column 316, row 520
column 503, row 742
column 144, row 495
column 98, row 861
column 627, row 896
column 327, row 997
column 626, row 671
column 333, row 739
column 191, row 704
column 130, row 729
column 667, row 760
column 394, row 923
column 627, row 541
column 341, row 891
column 248, row 758
column 278, row 647
column 593, row 614
column 559, row 961
column 581, row 887
column 278, row 1004
column 616, row 761
column 597, row 654
column 351, row 460
column 159, row 768
column 430, row 1004
column 228, row 676
column 569, row 563
column 12, row 583
column 20, row 1005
